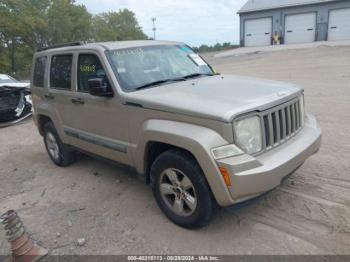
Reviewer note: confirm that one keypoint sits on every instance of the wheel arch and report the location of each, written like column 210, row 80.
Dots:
column 157, row 136
column 42, row 120
column 155, row 148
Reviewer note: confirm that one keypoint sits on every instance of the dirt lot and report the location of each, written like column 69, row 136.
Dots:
column 116, row 213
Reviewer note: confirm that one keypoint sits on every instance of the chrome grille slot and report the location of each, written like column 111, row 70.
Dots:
column 267, row 131
column 274, row 127
column 281, row 123
column 292, row 118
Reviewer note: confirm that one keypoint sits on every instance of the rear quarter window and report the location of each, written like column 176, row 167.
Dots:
column 61, row 72
column 39, row 71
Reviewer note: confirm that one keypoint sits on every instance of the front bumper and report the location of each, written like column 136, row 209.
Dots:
column 15, row 105
column 252, row 176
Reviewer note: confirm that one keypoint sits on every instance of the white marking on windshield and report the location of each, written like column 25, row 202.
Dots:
column 197, row 59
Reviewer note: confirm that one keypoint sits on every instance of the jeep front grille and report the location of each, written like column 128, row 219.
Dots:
column 281, row 123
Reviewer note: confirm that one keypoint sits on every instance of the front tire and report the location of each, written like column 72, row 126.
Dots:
column 61, row 154
column 181, row 190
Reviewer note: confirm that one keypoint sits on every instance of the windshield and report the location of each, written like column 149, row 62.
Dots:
column 7, row 79
column 149, row 66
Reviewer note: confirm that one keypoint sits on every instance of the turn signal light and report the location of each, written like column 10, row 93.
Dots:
column 226, row 176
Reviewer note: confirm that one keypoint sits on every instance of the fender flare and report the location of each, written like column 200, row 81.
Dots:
column 197, row 140
column 47, row 111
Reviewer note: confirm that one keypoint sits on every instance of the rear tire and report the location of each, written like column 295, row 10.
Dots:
column 61, row 154
column 181, row 190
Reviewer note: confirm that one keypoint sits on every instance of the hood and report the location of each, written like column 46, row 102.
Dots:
column 221, row 97
column 14, row 86
column 6, row 88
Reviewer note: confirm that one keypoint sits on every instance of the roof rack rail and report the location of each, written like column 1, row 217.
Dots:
column 60, row 45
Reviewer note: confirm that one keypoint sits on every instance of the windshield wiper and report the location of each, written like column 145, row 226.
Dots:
column 159, row 82
column 196, row 75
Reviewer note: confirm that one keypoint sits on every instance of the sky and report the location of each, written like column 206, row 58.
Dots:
column 194, row 22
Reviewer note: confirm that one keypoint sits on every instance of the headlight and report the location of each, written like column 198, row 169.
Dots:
column 248, row 134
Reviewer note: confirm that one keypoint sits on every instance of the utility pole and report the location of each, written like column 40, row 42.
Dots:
column 154, row 27
column 13, row 59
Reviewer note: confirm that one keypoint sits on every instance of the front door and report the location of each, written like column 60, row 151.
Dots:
column 96, row 124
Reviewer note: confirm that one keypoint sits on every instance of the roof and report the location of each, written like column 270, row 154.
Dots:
column 259, row 5
column 109, row 45
column 138, row 43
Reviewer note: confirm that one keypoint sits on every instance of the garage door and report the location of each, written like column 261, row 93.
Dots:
column 300, row 28
column 339, row 24
column 257, row 32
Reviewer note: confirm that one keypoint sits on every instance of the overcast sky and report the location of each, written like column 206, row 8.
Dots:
column 195, row 22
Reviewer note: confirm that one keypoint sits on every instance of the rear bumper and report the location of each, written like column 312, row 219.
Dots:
column 252, row 176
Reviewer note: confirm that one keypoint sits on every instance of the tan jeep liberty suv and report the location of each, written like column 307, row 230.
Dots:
column 199, row 138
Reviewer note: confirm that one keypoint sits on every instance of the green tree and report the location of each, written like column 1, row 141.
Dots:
column 101, row 29
column 215, row 48
column 67, row 22
column 116, row 26
column 26, row 25
column 18, row 21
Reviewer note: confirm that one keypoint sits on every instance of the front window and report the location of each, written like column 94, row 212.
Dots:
column 89, row 67
column 149, row 66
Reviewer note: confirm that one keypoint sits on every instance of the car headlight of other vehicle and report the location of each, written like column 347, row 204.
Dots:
column 248, row 135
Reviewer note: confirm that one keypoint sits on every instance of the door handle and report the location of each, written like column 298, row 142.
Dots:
column 78, row 101
column 333, row 27
column 290, row 31
column 49, row 96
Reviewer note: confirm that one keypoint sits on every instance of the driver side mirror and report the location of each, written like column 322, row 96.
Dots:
column 99, row 87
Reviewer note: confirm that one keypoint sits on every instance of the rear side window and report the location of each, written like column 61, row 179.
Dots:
column 89, row 66
column 61, row 71
column 39, row 71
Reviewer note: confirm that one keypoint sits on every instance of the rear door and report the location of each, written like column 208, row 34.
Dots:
column 300, row 28
column 258, row 32
column 59, row 92
column 339, row 24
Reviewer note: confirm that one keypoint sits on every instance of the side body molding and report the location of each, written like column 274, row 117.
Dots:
column 196, row 139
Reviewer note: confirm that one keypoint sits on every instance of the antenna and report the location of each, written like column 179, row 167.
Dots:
column 154, row 27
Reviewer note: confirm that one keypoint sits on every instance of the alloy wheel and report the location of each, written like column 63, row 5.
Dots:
column 178, row 192
column 52, row 146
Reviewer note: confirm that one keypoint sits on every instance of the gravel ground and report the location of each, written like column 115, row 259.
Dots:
column 116, row 214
